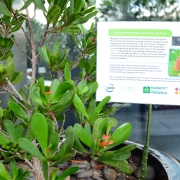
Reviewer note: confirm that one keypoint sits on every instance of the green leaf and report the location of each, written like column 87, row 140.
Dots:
column 79, row 6
column 43, row 53
column 13, row 168
column 93, row 87
column 30, row 148
column 91, row 107
column 10, row 67
column 40, row 5
column 53, row 174
column 40, row 130
column 54, row 140
column 67, row 74
column 10, row 129
column 79, row 105
column 18, row 110
column 17, row 77
column 45, row 169
column 121, row 134
column 87, row 128
column 19, row 131
column 29, row 134
column 93, row 117
column 62, row 88
column 77, row 145
column 86, row 18
column 3, row 172
column 56, row 48
column 27, row 3
column 81, row 85
column 68, row 172
column 4, row 10
column 83, row 135
column 71, row 6
column 99, row 128
column 3, row 138
column 106, row 156
column 102, row 104
column 54, row 86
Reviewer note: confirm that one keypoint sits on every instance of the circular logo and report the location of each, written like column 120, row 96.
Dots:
column 109, row 88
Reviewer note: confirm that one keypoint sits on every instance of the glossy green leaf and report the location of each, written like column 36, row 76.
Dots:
column 93, row 87
column 106, row 156
column 17, row 77
column 40, row 5
column 93, row 117
column 71, row 6
column 4, row 10
column 39, row 128
column 77, row 145
column 64, row 102
column 78, row 5
column 68, row 172
column 35, row 97
column 102, row 104
column 86, row 18
column 79, row 105
column 81, row 85
column 62, row 88
column 53, row 174
column 10, row 129
column 83, row 135
column 87, row 128
column 17, row 109
column 54, row 85
column 3, row 172
column 27, row 3
column 30, row 148
column 67, row 73
column 121, row 134
column 99, row 128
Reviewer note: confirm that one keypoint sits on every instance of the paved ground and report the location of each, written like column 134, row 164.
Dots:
column 165, row 127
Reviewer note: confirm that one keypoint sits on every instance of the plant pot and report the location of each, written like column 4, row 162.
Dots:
column 166, row 167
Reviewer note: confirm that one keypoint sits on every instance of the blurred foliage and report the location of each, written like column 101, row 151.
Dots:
column 147, row 10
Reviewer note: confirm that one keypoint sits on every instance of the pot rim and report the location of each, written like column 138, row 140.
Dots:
column 170, row 164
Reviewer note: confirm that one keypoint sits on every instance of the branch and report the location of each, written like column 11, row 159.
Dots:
column 15, row 91
column 21, row 27
column 20, row 48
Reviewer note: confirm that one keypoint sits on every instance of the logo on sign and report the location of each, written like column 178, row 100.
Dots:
column 177, row 91
column 155, row 90
column 129, row 89
column 109, row 88
column 146, row 89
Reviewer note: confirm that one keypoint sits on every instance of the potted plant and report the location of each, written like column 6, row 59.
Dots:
column 32, row 125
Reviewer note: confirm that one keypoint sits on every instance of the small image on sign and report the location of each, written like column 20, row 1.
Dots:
column 174, row 62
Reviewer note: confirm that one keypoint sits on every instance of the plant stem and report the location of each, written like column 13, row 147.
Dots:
column 146, row 146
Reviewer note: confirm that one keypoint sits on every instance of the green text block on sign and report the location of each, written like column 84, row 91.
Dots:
column 140, row 32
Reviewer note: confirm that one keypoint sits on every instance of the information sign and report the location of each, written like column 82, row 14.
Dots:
column 139, row 62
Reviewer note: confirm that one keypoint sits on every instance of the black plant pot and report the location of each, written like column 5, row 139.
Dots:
column 166, row 166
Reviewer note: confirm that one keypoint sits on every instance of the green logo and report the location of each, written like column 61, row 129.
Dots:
column 146, row 89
